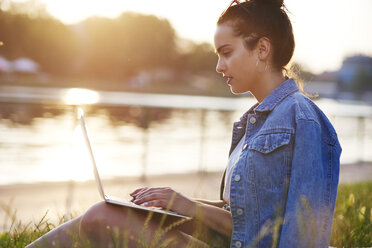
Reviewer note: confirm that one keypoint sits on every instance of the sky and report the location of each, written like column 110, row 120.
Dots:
column 326, row 31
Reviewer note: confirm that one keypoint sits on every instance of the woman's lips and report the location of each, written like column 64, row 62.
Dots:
column 228, row 79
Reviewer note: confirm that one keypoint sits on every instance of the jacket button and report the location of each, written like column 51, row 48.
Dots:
column 252, row 120
column 239, row 211
column 237, row 178
column 245, row 146
column 238, row 244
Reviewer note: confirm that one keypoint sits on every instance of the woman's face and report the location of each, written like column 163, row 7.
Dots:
column 235, row 62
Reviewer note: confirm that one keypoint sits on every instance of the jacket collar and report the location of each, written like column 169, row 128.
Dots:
column 268, row 104
column 277, row 95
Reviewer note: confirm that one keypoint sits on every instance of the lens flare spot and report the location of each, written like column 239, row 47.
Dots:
column 76, row 96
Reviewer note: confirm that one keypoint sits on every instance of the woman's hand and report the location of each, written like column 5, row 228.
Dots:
column 164, row 197
column 211, row 213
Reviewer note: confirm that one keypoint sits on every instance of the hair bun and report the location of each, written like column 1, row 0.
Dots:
column 277, row 3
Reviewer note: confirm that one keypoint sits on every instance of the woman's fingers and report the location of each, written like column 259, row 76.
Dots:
column 145, row 191
column 142, row 190
column 156, row 203
column 164, row 197
column 156, row 197
column 154, row 194
column 137, row 191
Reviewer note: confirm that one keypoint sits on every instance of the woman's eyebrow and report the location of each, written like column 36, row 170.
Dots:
column 218, row 50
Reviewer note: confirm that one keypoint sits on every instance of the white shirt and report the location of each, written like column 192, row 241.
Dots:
column 233, row 159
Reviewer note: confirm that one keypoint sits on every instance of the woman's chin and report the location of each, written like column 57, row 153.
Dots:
column 237, row 91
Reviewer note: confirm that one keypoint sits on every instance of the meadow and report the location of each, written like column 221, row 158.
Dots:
column 352, row 223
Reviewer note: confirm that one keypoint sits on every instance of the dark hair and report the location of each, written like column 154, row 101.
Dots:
column 263, row 18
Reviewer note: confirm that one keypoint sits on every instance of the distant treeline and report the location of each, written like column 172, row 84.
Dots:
column 101, row 47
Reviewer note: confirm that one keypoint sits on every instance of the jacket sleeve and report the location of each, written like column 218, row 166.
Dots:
column 312, row 189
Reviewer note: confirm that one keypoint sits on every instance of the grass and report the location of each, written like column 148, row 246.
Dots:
column 20, row 234
column 352, row 223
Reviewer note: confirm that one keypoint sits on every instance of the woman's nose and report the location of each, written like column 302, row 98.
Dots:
column 220, row 68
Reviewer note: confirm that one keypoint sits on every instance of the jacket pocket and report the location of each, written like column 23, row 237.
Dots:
column 267, row 143
column 270, row 159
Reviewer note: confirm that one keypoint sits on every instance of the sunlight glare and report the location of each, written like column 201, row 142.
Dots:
column 69, row 163
column 76, row 96
column 77, row 165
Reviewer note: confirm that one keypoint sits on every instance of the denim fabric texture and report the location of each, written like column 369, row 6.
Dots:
column 284, row 186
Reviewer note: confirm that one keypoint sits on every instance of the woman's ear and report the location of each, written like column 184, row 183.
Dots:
column 263, row 48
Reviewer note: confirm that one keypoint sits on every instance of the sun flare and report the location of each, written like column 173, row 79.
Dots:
column 69, row 163
column 76, row 96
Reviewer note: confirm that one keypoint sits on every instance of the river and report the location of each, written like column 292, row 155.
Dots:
column 39, row 141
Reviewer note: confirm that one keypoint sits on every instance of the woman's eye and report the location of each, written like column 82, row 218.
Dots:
column 226, row 53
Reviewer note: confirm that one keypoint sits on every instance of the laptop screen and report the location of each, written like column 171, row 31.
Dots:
column 91, row 155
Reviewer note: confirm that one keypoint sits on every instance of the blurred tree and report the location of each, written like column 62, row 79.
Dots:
column 123, row 46
column 32, row 8
column 199, row 58
column 37, row 36
column 98, row 47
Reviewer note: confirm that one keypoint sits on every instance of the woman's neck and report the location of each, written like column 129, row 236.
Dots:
column 267, row 84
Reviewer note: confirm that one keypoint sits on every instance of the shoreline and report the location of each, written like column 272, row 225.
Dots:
column 346, row 175
column 32, row 201
column 149, row 179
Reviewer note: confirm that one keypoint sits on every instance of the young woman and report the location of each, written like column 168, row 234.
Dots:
column 280, row 186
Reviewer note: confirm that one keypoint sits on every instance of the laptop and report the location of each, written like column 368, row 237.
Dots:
column 113, row 199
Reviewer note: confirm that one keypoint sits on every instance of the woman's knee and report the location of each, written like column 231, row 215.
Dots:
column 102, row 222
column 96, row 219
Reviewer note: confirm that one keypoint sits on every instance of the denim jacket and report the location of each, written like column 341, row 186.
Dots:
column 284, row 185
